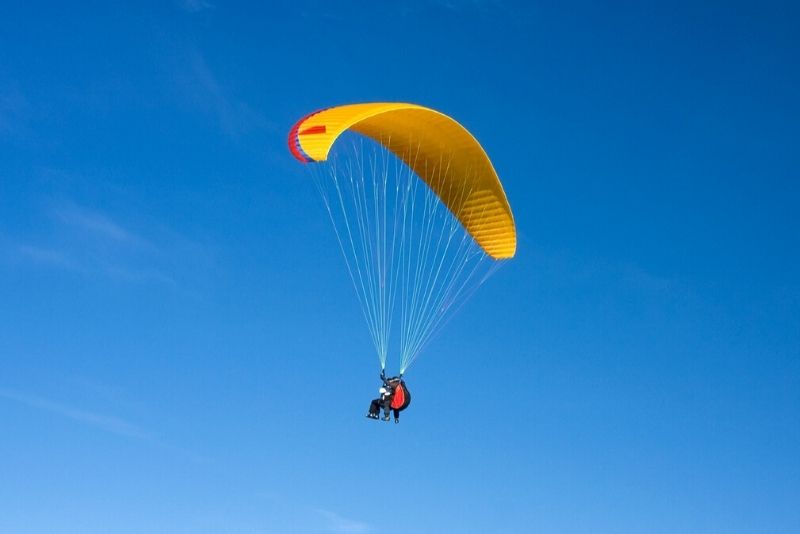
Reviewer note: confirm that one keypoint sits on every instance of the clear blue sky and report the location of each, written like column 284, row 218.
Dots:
column 181, row 349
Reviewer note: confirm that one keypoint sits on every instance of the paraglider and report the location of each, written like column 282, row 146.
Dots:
column 419, row 214
column 393, row 395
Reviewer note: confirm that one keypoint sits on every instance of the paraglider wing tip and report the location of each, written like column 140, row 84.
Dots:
column 294, row 144
column 294, row 140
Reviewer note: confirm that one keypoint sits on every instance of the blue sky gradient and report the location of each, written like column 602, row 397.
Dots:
column 180, row 346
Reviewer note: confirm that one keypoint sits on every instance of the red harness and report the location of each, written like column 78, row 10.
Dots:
column 399, row 397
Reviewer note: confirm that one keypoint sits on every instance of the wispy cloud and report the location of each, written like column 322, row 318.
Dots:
column 104, row 422
column 194, row 6
column 47, row 256
column 107, row 423
column 199, row 86
column 213, row 93
column 96, row 223
column 406, row 9
column 14, row 110
column 319, row 12
column 88, row 241
column 343, row 525
column 465, row 5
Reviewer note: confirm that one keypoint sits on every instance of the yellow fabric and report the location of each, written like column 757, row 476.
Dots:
column 439, row 150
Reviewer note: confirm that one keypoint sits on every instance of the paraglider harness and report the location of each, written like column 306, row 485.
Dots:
column 394, row 396
column 401, row 397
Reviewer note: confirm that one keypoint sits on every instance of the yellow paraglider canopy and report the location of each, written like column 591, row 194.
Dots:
column 439, row 150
